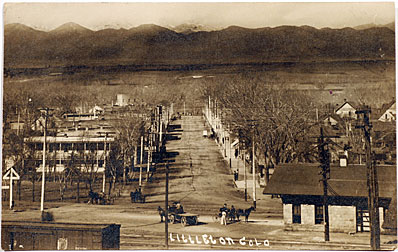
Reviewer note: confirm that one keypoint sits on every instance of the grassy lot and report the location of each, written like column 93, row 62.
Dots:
column 372, row 82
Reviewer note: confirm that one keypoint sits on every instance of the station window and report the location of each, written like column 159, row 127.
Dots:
column 39, row 146
column 67, row 147
column 53, row 147
column 318, row 214
column 92, row 147
column 296, row 213
column 79, row 146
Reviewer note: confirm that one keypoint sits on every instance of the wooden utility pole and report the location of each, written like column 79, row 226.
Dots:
column 324, row 158
column 19, row 115
column 104, row 173
column 149, row 153
column 372, row 182
column 44, row 161
column 166, row 209
column 254, row 173
column 244, row 173
column 161, row 133
column 141, row 162
column 11, row 191
column 230, row 146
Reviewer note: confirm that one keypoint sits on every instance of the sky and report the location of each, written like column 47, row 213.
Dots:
column 95, row 16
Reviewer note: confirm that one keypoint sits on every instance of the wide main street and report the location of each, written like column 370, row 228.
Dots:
column 202, row 181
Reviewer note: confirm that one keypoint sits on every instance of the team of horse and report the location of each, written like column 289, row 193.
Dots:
column 234, row 215
column 95, row 198
column 245, row 212
column 100, row 198
column 231, row 215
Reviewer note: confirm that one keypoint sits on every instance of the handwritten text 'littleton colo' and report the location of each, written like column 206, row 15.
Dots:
column 209, row 239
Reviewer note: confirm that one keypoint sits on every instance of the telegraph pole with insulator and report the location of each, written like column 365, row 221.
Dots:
column 166, row 208
column 324, row 159
column 372, row 183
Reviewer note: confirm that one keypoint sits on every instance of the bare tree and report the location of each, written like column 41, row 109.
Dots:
column 276, row 118
column 129, row 130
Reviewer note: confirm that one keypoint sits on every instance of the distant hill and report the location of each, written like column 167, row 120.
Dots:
column 70, row 28
column 390, row 26
column 191, row 28
column 152, row 44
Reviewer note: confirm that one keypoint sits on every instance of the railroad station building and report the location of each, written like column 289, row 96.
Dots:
column 301, row 190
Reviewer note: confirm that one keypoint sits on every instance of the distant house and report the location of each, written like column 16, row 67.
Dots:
column 52, row 121
column 330, row 120
column 122, row 100
column 96, row 110
column 384, row 142
column 301, row 191
column 38, row 124
column 389, row 112
column 16, row 125
column 346, row 110
column 79, row 116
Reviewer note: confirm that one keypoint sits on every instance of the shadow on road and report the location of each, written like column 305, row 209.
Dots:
column 172, row 137
column 171, row 154
column 174, row 127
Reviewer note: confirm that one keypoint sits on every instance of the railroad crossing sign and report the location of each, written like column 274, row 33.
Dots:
column 11, row 174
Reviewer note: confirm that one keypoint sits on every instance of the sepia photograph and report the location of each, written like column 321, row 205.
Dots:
column 198, row 126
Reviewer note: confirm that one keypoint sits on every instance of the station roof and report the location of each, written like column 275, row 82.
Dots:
column 304, row 179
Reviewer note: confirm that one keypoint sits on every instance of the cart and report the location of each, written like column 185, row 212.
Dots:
column 137, row 197
column 184, row 218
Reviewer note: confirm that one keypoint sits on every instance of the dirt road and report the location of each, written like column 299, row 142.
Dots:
column 199, row 176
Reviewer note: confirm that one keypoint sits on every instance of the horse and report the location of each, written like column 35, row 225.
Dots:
column 232, row 215
column 94, row 197
column 245, row 213
column 137, row 196
column 162, row 213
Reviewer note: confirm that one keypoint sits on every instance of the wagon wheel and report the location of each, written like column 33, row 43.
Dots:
column 172, row 218
column 216, row 218
column 184, row 221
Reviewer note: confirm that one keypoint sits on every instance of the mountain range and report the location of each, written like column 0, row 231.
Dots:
column 191, row 28
column 151, row 44
column 390, row 26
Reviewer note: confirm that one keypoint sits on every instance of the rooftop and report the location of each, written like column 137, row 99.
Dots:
column 304, row 179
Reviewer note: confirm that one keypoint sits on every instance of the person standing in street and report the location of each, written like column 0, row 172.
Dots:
column 224, row 211
column 224, row 218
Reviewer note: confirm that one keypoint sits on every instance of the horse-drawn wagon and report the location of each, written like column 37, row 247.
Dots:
column 184, row 218
column 176, row 214
column 137, row 196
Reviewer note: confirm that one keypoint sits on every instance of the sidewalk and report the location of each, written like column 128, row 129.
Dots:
column 358, row 241
column 237, row 164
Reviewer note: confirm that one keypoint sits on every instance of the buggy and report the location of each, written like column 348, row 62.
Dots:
column 137, row 197
column 184, row 218
column 177, row 214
